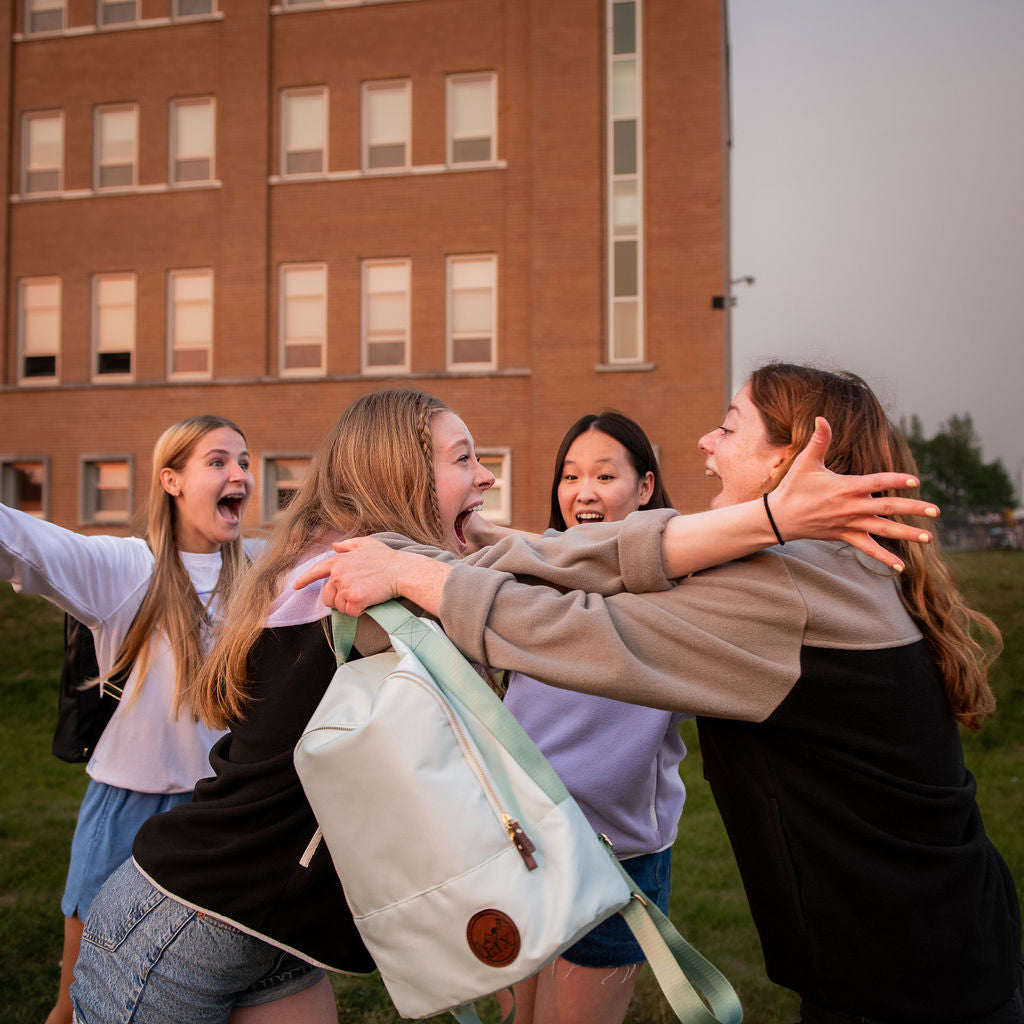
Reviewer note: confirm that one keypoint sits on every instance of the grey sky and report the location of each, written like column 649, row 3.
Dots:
column 878, row 200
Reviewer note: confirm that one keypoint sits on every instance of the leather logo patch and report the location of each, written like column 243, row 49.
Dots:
column 493, row 937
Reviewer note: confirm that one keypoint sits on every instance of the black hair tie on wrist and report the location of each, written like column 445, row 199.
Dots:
column 771, row 519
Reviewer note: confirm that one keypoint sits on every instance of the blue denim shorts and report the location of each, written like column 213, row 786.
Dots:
column 611, row 943
column 107, row 822
column 148, row 959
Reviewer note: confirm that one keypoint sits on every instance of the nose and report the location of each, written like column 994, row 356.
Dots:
column 484, row 477
column 707, row 443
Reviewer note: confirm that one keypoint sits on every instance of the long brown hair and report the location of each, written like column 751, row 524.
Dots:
column 171, row 605
column 864, row 440
column 373, row 473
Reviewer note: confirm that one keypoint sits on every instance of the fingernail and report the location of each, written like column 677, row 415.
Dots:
column 897, row 566
column 911, row 482
column 924, row 538
column 932, row 512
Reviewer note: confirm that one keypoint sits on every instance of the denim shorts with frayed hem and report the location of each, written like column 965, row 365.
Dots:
column 611, row 943
column 148, row 959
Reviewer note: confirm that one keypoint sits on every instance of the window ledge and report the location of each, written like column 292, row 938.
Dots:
column 625, row 367
column 99, row 193
column 128, row 26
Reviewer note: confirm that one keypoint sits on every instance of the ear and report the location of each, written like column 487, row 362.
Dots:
column 169, row 480
column 646, row 487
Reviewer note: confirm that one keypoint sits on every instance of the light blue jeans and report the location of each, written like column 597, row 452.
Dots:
column 148, row 959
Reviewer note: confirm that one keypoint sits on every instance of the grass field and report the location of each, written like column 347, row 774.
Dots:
column 39, row 797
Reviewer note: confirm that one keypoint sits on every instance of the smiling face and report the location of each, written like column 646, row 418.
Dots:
column 599, row 483
column 739, row 453
column 460, row 479
column 210, row 491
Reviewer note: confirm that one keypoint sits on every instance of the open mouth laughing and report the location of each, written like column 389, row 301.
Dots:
column 460, row 523
column 230, row 507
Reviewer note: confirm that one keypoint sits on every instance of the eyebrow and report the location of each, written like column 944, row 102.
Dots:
column 223, row 451
column 604, row 458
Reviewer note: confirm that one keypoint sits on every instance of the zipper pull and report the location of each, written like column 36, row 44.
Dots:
column 521, row 841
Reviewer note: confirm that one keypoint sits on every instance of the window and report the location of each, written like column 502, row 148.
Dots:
column 191, row 144
column 44, row 16
column 23, row 485
column 106, row 491
column 472, row 118
column 42, row 152
column 117, row 12
column 113, row 323
column 625, row 184
column 497, row 499
column 38, row 328
column 386, row 315
column 189, row 8
column 472, row 312
column 190, row 322
column 303, row 131
column 117, row 130
column 386, row 127
column 303, row 318
column 282, row 477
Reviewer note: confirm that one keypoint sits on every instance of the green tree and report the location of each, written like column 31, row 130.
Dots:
column 953, row 473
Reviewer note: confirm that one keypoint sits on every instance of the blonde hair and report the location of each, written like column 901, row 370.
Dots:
column 789, row 397
column 171, row 605
column 373, row 473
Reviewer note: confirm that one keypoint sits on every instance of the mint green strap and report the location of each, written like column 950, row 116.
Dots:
column 343, row 631
column 683, row 974
column 460, row 683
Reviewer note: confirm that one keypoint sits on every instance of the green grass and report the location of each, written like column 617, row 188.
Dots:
column 39, row 797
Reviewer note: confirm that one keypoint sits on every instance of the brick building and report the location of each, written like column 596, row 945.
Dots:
column 265, row 210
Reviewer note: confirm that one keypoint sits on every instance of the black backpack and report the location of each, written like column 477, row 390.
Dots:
column 82, row 713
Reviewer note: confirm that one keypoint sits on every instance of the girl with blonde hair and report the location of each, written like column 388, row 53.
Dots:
column 828, row 693
column 226, row 902
column 148, row 601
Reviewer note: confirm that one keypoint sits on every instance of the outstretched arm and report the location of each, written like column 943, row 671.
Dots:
column 811, row 502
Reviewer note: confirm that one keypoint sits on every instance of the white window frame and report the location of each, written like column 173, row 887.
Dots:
column 622, row 303
column 44, row 7
column 100, row 161
column 287, row 113
column 102, row 344
column 32, row 316
column 194, row 314
column 10, row 467
column 91, row 473
column 285, row 297
column 28, row 158
column 402, row 334
column 452, row 335
column 502, row 488
column 205, row 149
column 105, row 6
column 272, row 484
column 454, row 136
column 371, row 136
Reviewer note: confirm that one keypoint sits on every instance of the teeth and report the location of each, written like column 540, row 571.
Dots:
column 589, row 516
column 710, row 472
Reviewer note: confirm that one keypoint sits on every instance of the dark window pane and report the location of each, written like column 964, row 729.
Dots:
column 625, row 268
column 624, row 157
column 114, row 362
column 309, row 161
column 46, row 21
column 197, row 169
column 119, row 12
column 471, row 350
column 624, row 28
column 187, row 7
column 386, row 156
column 302, row 357
column 42, row 181
column 40, row 366
column 385, row 353
column 117, row 176
column 471, row 150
